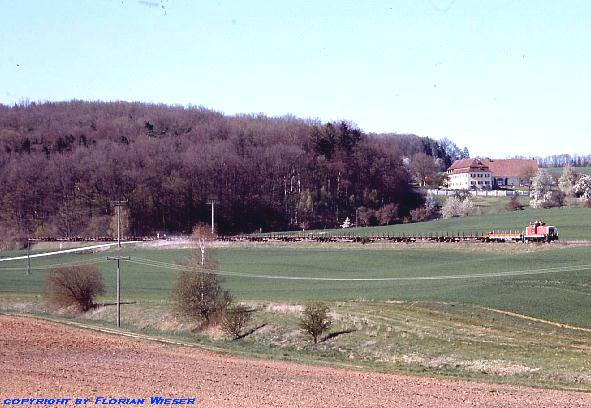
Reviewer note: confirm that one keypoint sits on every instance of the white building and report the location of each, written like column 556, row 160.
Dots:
column 469, row 174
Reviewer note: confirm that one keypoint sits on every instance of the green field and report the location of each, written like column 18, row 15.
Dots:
column 298, row 274
column 421, row 309
column 557, row 171
column 573, row 224
column 495, row 205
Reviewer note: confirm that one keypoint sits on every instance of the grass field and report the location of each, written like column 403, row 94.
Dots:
column 297, row 274
column 495, row 205
column 431, row 315
column 573, row 224
column 557, row 171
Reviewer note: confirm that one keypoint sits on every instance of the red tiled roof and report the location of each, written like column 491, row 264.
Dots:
column 465, row 165
column 511, row 167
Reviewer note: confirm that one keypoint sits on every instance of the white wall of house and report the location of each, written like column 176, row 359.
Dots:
column 475, row 180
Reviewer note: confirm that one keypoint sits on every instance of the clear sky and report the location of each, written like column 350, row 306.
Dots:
column 501, row 77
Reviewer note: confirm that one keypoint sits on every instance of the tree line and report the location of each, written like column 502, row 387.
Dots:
column 62, row 165
column 563, row 160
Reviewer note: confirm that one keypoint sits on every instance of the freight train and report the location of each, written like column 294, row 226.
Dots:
column 537, row 231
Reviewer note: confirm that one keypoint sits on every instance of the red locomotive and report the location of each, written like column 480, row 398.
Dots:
column 537, row 231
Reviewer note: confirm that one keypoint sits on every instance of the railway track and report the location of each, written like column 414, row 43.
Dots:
column 403, row 238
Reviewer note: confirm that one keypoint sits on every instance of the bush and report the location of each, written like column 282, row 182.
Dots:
column 73, row 286
column 198, row 294
column 387, row 214
column 556, row 199
column 456, row 207
column 419, row 214
column 235, row 319
column 514, row 204
column 315, row 320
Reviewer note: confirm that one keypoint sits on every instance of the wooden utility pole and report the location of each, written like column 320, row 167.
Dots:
column 119, row 204
column 212, row 202
column 118, row 259
column 28, row 256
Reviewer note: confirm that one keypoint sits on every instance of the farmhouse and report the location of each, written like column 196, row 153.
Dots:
column 469, row 174
column 511, row 172
column 479, row 174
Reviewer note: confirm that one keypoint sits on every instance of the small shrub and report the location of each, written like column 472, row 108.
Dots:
column 552, row 199
column 571, row 201
column 235, row 320
column 198, row 294
column 419, row 214
column 73, row 286
column 456, row 207
column 315, row 320
column 514, row 204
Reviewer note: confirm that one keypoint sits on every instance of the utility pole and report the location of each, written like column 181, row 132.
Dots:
column 118, row 259
column 28, row 256
column 212, row 202
column 119, row 204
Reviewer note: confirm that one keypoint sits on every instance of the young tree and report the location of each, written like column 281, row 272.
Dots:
column 423, row 168
column 430, row 204
column 566, row 184
column 198, row 294
column 203, row 236
column 567, row 181
column 541, row 189
column 583, row 187
column 346, row 223
column 235, row 320
column 73, row 286
column 315, row 320
column 456, row 207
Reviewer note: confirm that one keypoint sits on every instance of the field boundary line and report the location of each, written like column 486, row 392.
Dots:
column 537, row 320
column 64, row 251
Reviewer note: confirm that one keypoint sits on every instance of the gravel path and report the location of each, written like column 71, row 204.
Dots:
column 40, row 359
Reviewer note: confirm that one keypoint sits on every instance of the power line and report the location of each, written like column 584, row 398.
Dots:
column 573, row 268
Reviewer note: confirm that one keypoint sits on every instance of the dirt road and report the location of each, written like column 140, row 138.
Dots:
column 39, row 359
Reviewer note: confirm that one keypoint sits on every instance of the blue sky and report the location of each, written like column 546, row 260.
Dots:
column 501, row 77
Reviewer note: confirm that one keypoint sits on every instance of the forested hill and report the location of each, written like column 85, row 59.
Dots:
column 63, row 164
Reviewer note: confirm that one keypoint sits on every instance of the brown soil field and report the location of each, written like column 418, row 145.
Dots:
column 40, row 359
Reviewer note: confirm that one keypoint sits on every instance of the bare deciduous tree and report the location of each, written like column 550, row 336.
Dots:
column 315, row 320
column 424, row 168
column 73, row 286
column 235, row 320
column 202, row 235
column 198, row 294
